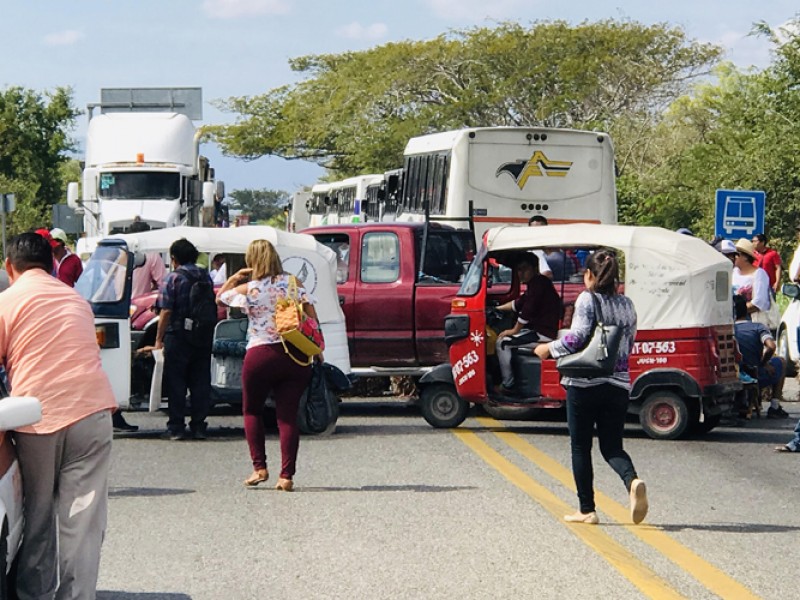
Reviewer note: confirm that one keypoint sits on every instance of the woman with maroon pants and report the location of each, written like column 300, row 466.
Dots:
column 268, row 369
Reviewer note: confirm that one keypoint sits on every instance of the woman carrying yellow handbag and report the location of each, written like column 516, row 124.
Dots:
column 269, row 367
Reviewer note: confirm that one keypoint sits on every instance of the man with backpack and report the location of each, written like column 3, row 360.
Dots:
column 187, row 316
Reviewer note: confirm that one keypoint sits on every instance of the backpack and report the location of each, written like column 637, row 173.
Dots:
column 201, row 316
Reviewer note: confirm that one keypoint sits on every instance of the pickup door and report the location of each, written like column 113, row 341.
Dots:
column 382, row 316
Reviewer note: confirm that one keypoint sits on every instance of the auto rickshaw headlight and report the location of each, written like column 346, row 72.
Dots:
column 107, row 335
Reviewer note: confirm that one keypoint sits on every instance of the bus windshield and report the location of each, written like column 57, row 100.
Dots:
column 140, row 185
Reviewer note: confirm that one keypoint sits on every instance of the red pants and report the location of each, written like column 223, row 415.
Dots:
column 268, row 370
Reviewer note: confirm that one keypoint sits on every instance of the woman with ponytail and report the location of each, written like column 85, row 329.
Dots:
column 600, row 401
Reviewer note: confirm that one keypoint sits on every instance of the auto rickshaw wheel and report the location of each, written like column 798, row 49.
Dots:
column 783, row 352
column 664, row 415
column 441, row 406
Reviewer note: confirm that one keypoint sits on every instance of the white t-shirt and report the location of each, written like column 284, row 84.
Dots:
column 544, row 266
column 754, row 287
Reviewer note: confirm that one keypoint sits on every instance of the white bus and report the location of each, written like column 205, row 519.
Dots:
column 509, row 174
column 343, row 201
column 318, row 204
column 299, row 216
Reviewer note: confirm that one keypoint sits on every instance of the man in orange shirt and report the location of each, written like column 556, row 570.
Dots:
column 49, row 348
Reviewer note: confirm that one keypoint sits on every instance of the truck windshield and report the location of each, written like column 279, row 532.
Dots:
column 103, row 279
column 140, row 185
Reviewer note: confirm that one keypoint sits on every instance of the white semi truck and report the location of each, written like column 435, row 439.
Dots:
column 143, row 163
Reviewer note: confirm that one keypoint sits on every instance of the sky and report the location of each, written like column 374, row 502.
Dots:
column 235, row 48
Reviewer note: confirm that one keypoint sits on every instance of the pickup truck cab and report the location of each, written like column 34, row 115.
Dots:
column 395, row 283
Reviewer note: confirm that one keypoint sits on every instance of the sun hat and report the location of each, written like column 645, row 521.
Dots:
column 745, row 246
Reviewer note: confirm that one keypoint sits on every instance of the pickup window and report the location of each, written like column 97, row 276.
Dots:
column 340, row 244
column 380, row 254
column 447, row 256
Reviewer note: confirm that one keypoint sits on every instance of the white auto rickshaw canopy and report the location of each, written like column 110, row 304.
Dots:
column 311, row 262
column 676, row 281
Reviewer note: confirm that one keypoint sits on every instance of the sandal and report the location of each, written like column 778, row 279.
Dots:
column 284, row 485
column 258, row 476
column 785, row 449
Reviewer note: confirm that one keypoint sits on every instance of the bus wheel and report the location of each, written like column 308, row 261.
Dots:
column 441, row 406
column 664, row 415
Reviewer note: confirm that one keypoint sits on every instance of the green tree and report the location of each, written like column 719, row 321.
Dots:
column 34, row 141
column 262, row 206
column 354, row 112
column 740, row 132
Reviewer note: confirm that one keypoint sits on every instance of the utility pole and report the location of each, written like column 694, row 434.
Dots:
column 7, row 204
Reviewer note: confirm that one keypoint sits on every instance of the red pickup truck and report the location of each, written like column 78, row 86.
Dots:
column 395, row 283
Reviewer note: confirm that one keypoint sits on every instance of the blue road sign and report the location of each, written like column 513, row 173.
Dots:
column 739, row 213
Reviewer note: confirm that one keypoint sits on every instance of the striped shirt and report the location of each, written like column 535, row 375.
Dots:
column 617, row 310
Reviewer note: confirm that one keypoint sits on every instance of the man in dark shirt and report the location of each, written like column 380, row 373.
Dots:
column 538, row 311
column 757, row 347
column 186, row 364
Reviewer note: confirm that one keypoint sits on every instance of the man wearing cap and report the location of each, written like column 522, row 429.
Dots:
column 769, row 260
column 65, row 457
column 728, row 249
column 68, row 266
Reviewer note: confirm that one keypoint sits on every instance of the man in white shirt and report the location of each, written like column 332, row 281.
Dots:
column 544, row 266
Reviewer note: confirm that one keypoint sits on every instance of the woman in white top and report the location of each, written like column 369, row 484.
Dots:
column 268, row 369
column 751, row 281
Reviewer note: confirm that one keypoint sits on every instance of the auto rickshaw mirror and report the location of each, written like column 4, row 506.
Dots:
column 792, row 290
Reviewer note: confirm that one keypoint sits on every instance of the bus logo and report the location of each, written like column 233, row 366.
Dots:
column 537, row 165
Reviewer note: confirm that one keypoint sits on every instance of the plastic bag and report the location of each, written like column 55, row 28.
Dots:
column 319, row 406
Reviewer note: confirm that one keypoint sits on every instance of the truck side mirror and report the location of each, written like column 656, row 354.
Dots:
column 209, row 189
column 73, row 198
column 220, row 191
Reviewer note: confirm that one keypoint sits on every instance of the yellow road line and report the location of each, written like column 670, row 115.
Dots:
column 704, row 572
column 650, row 584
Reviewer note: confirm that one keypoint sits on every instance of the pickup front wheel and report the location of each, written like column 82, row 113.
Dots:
column 441, row 406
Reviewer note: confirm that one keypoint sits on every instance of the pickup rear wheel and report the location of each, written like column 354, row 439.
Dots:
column 664, row 415
column 441, row 406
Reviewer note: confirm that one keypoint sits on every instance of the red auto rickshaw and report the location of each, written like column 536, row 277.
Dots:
column 683, row 365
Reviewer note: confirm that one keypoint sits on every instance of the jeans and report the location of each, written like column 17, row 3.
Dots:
column 604, row 405
column 504, row 353
column 794, row 445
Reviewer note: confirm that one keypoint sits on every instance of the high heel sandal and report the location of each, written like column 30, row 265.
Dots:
column 284, row 485
column 579, row 517
column 258, row 476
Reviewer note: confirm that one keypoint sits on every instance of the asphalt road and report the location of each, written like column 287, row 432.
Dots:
column 388, row 507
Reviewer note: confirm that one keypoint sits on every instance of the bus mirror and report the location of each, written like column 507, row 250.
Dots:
column 72, row 194
column 209, row 190
column 220, row 190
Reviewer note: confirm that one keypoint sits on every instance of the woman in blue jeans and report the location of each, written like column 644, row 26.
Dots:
column 600, row 401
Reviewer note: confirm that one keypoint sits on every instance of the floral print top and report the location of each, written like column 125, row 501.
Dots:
column 259, row 305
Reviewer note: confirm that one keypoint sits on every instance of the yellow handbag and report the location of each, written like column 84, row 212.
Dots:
column 297, row 328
